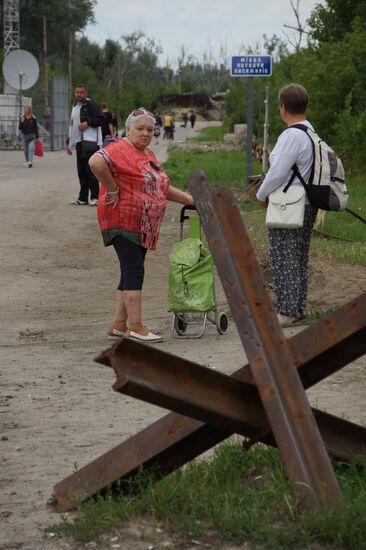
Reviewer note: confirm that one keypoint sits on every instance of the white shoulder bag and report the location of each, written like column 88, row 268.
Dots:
column 286, row 209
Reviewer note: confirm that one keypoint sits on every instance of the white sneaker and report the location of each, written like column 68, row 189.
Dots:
column 150, row 337
column 79, row 203
column 93, row 202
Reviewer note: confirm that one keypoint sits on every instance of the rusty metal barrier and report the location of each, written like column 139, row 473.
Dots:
column 265, row 402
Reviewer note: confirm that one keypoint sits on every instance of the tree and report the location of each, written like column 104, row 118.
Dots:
column 329, row 22
column 299, row 28
column 61, row 19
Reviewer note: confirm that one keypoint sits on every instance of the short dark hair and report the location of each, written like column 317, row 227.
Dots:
column 103, row 106
column 294, row 98
column 81, row 86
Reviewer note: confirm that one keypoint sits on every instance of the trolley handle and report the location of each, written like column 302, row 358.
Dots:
column 183, row 211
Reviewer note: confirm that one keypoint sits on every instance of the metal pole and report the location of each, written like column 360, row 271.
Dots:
column 250, row 86
column 45, row 55
column 259, row 111
column 265, row 134
column 20, row 102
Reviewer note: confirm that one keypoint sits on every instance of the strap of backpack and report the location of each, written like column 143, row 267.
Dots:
column 305, row 129
column 296, row 173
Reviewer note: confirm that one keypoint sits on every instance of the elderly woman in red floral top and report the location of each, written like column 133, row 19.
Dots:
column 131, row 205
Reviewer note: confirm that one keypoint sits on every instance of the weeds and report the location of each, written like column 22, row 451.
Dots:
column 234, row 496
column 222, row 168
column 210, row 133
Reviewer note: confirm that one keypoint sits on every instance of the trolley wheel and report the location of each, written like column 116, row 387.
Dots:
column 180, row 324
column 222, row 323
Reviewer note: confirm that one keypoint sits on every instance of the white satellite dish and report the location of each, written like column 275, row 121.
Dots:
column 20, row 69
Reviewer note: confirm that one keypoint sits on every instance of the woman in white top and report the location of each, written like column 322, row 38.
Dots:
column 289, row 248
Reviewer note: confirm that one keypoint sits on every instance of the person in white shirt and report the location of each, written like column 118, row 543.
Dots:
column 85, row 136
column 289, row 248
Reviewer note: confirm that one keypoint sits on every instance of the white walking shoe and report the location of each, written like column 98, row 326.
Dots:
column 149, row 338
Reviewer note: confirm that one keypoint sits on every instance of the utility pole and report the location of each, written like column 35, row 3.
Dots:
column 71, row 37
column 45, row 59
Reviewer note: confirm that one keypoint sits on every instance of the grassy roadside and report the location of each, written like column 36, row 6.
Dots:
column 210, row 133
column 235, row 496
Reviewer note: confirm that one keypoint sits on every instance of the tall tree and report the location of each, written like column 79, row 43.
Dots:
column 60, row 19
column 330, row 21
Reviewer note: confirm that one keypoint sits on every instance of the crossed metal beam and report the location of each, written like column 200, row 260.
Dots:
column 265, row 401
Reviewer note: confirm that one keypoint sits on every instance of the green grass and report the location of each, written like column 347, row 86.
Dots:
column 222, row 168
column 234, row 496
column 349, row 244
column 210, row 133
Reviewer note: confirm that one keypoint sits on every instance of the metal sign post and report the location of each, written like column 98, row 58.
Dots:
column 250, row 89
column 250, row 66
column 265, row 135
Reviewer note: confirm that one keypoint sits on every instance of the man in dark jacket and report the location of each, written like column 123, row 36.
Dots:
column 85, row 136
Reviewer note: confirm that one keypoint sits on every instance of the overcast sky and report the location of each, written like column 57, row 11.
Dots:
column 199, row 25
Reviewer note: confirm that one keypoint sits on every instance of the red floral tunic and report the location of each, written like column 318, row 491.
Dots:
column 143, row 188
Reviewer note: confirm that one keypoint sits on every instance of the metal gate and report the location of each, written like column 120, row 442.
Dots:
column 53, row 120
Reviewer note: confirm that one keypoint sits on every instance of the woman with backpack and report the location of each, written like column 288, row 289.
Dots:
column 289, row 248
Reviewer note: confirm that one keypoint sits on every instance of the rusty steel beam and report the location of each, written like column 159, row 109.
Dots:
column 282, row 394
column 215, row 398
column 174, row 440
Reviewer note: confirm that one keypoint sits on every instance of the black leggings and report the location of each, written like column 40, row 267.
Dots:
column 131, row 260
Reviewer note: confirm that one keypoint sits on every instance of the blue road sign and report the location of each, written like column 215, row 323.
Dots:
column 251, row 65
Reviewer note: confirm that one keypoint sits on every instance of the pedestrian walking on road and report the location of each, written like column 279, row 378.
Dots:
column 85, row 135
column 185, row 120
column 133, row 196
column 192, row 119
column 169, row 126
column 29, row 131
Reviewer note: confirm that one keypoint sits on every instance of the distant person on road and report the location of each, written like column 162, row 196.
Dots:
column 133, row 195
column 159, row 120
column 157, row 132
column 29, row 131
column 185, row 120
column 85, row 135
column 168, row 122
column 107, row 121
column 192, row 119
column 289, row 248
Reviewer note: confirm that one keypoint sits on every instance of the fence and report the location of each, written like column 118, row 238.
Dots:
column 52, row 118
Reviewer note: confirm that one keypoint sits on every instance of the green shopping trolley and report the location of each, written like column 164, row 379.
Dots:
column 191, row 294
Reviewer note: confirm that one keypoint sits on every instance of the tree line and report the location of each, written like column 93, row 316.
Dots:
column 126, row 73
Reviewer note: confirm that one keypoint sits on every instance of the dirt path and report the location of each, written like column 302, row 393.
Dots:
column 57, row 408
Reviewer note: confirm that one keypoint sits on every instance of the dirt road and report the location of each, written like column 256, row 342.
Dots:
column 57, row 408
